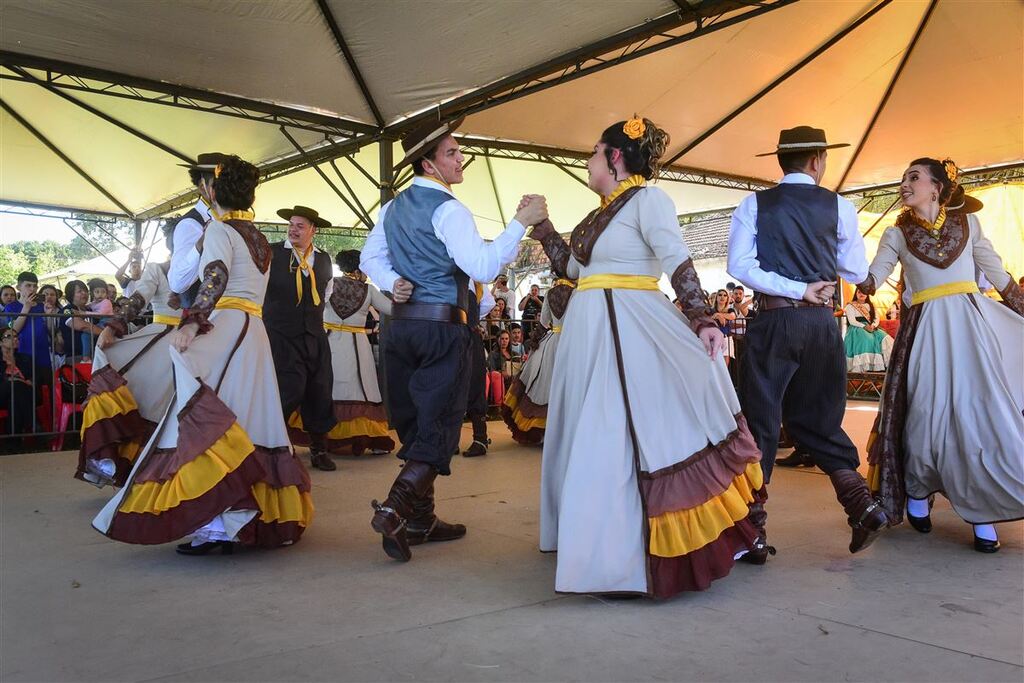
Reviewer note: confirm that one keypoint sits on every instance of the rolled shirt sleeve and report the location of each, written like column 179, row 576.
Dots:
column 480, row 260
column 851, row 260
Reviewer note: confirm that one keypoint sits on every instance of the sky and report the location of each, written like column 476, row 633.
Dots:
column 15, row 228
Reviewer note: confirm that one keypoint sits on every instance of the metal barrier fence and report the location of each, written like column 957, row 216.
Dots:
column 46, row 369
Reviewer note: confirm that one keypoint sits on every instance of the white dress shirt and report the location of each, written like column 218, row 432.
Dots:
column 454, row 226
column 184, row 268
column 851, row 262
column 486, row 302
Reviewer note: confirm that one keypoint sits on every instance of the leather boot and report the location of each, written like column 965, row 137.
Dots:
column 758, row 517
column 480, row 440
column 425, row 527
column 864, row 515
column 389, row 517
column 318, row 455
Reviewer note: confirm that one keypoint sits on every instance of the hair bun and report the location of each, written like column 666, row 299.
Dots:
column 654, row 143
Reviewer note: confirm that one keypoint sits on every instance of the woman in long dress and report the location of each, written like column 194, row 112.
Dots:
column 525, row 405
column 868, row 348
column 358, row 406
column 649, row 467
column 219, row 465
column 132, row 383
column 951, row 417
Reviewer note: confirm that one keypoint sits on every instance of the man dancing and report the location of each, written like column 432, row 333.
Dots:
column 790, row 243
column 293, row 313
column 183, row 274
column 425, row 248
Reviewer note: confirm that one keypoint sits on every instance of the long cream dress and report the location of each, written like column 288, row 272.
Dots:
column 219, row 465
column 648, row 467
column 131, row 385
column 951, row 416
column 362, row 422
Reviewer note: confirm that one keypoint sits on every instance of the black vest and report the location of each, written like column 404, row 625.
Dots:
column 280, row 311
column 798, row 232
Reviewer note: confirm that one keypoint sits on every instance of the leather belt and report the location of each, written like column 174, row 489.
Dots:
column 443, row 313
column 768, row 302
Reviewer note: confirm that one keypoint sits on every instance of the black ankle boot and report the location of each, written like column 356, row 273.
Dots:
column 225, row 547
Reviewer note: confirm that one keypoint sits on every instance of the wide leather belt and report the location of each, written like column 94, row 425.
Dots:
column 768, row 302
column 443, row 313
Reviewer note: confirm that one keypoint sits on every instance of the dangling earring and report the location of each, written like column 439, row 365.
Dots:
column 611, row 171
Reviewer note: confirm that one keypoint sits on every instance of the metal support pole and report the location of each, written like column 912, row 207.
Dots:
column 387, row 170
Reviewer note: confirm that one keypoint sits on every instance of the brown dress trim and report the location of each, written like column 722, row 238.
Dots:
column 557, row 250
column 686, row 285
column 585, row 235
column 940, row 251
column 696, row 570
column 215, row 281
column 526, row 408
column 347, row 296
column 255, row 241
column 558, row 300
column 1013, row 297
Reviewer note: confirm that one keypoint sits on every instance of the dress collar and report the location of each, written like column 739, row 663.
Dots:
column 203, row 209
column 631, row 181
column 797, row 179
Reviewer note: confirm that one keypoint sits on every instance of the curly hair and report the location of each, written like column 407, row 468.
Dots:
column 348, row 260
column 235, row 184
column 937, row 170
column 641, row 156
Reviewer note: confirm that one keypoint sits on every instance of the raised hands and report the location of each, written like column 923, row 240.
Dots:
column 532, row 209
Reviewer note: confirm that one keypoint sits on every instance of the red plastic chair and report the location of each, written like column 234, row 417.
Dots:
column 64, row 410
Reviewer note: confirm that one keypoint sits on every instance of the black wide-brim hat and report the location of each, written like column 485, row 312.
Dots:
column 419, row 141
column 312, row 215
column 208, row 161
column 802, row 139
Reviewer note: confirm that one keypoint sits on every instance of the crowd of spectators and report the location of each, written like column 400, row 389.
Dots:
column 43, row 329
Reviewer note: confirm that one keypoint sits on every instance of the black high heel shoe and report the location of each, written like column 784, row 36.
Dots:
column 922, row 524
column 985, row 546
column 226, row 548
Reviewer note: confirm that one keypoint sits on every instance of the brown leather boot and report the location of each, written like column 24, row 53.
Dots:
column 389, row 518
column 318, row 455
column 758, row 517
column 425, row 527
column 864, row 514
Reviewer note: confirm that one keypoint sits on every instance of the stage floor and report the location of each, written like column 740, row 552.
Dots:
column 76, row 606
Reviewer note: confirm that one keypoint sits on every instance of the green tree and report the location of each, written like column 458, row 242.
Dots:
column 12, row 262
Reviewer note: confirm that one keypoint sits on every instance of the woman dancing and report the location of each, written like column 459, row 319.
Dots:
column 362, row 421
column 649, row 467
column 868, row 348
column 525, row 405
column 950, row 420
column 219, row 466
column 132, row 382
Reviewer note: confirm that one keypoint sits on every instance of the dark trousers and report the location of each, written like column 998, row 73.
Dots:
column 428, row 387
column 305, row 379
column 794, row 371
column 476, row 409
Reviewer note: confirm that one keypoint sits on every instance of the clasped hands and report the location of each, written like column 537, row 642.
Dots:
column 819, row 293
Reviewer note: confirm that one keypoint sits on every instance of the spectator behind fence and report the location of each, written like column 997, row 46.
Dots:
column 8, row 295
column 502, row 367
column 723, row 315
column 100, row 302
column 531, row 306
column 50, row 297
column 495, row 319
column 515, row 344
column 78, row 329
column 33, row 337
column 17, row 396
column 501, row 292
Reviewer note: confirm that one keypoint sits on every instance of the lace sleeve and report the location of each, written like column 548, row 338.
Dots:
column 556, row 249
column 686, row 285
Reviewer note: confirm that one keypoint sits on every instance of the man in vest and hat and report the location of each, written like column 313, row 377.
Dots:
column 425, row 249
column 790, row 244
column 183, row 273
column 293, row 313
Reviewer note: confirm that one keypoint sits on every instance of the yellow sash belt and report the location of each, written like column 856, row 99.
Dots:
column 240, row 304
column 557, row 329
column 166, row 319
column 948, row 289
column 345, row 328
column 615, row 281
column 563, row 281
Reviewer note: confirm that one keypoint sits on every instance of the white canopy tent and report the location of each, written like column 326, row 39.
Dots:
column 102, row 98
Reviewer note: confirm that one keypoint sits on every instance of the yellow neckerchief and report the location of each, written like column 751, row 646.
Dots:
column 933, row 228
column 479, row 291
column 237, row 215
column 434, row 178
column 304, row 267
column 631, row 181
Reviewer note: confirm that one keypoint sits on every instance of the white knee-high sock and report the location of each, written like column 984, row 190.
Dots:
column 986, row 531
column 917, row 507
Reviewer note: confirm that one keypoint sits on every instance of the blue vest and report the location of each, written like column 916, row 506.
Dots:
column 416, row 252
column 798, row 232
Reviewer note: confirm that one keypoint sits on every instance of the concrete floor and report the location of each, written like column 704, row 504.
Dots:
column 76, row 606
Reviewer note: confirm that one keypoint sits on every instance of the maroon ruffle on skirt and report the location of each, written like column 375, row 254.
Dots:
column 528, row 409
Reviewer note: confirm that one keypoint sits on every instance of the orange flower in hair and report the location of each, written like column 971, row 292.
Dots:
column 216, row 171
column 951, row 170
column 634, row 128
